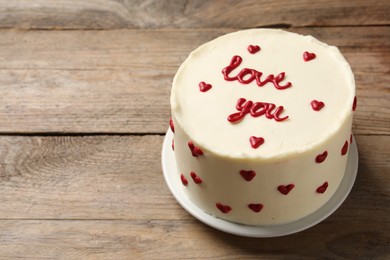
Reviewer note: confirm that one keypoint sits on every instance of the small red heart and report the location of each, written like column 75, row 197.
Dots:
column 256, row 141
column 223, row 208
column 253, row 48
column 255, row 207
column 321, row 157
column 203, row 86
column 183, row 180
column 307, row 56
column 196, row 151
column 172, row 125
column 173, row 144
column 344, row 150
column 196, row 178
column 285, row 189
column 317, row 105
column 354, row 104
column 322, row 188
column 247, row 175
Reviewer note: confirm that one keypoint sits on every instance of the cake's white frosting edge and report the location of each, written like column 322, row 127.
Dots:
column 343, row 115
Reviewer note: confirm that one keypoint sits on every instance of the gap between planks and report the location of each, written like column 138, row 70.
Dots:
column 80, row 134
column 49, row 134
column 271, row 26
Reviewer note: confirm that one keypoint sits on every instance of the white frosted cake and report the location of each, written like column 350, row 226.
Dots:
column 262, row 125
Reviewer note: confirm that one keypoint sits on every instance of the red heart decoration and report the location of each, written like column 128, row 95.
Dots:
column 255, row 207
column 285, row 189
column 247, row 175
column 203, row 86
column 196, row 178
column 172, row 125
column 354, row 104
column 173, row 144
column 344, row 150
column 183, row 180
column 321, row 157
column 256, row 141
column 317, row 105
column 223, row 208
column 196, row 151
column 322, row 188
column 253, row 48
column 307, row 56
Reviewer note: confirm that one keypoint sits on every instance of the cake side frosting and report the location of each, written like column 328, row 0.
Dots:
column 262, row 125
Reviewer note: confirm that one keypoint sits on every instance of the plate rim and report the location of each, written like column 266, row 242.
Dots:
column 168, row 162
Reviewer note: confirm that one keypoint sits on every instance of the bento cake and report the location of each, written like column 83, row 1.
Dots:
column 262, row 125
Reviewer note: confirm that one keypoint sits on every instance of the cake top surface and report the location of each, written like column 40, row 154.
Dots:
column 262, row 93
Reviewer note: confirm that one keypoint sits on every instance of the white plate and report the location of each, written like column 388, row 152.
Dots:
column 174, row 184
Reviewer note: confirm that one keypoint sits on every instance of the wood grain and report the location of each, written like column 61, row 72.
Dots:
column 120, row 177
column 72, row 71
column 105, row 197
column 169, row 239
column 119, row 81
column 106, row 14
column 101, row 177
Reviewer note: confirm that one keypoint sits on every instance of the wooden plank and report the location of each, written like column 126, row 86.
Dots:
column 119, row 81
column 102, row 177
column 114, row 184
column 74, row 101
column 120, row 177
column 181, row 239
column 104, row 14
column 156, row 52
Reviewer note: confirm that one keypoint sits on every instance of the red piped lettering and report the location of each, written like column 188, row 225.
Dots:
column 256, row 109
column 246, row 75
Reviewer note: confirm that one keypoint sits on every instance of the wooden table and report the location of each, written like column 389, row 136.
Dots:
column 84, row 109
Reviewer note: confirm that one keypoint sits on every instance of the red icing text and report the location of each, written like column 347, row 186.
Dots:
column 246, row 76
column 256, row 109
